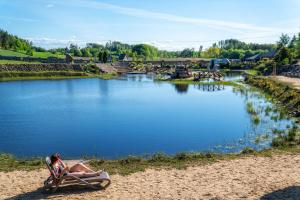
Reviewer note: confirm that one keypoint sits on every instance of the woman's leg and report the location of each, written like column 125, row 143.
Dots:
column 84, row 174
column 80, row 168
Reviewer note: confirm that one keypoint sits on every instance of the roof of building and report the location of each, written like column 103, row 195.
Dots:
column 122, row 56
column 270, row 54
column 255, row 57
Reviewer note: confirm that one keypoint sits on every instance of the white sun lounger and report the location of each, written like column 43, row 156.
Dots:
column 53, row 182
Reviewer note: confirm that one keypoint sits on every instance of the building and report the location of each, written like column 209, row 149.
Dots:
column 124, row 57
column 254, row 58
column 269, row 55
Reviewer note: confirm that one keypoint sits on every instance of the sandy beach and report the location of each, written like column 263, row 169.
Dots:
column 276, row 177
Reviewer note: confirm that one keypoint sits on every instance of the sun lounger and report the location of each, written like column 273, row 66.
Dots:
column 53, row 182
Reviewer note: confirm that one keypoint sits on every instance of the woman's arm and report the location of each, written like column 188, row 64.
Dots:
column 64, row 168
column 62, row 163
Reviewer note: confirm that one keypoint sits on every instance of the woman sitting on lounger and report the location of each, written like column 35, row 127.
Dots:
column 78, row 170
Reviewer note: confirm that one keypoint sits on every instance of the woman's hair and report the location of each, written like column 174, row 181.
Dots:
column 54, row 158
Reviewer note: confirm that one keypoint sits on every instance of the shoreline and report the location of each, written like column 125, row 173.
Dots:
column 131, row 164
column 252, row 177
column 55, row 75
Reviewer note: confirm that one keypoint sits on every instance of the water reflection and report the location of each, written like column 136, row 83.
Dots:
column 103, row 88
column 209, row 87
column 70, row 87
column 181, row 88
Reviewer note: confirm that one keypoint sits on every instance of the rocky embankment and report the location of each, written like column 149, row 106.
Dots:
column 40, row 67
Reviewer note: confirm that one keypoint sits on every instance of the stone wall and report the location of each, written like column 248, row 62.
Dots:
column 40, row 67
column 290, row 71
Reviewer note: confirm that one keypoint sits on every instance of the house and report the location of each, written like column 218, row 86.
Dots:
column 254, row 58
column 270, row 55
column 216, row 63
column 124, row 57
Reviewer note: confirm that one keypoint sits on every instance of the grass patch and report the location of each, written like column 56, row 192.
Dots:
column 47, row 55
column 17, row 62
column 51, row 75
column 107, row 76
column 4, row 52
column 252, row 72
column 132, row 164
column 11, row 163
column 285, row 96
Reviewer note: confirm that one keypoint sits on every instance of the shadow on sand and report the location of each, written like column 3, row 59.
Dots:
column 288, row 193
column 40, row 193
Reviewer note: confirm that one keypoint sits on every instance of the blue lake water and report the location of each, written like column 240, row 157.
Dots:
column 130, row 116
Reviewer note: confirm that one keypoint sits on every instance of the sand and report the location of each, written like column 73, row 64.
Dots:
column 293, row 81
column 275, row 177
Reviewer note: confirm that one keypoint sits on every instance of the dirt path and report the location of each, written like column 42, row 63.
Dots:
column 293, row 81
column 247, row 178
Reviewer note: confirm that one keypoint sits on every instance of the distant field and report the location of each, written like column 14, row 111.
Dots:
column 35, row 54
column 12, row 53
column 16, row 62
column 47, row 54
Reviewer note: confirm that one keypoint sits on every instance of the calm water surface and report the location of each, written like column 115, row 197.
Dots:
column 130, row 116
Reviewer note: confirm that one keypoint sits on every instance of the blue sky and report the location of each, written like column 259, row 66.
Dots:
column 167, row 24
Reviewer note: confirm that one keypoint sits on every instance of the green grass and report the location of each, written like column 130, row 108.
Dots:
column 18, row 75
column 16, row 62
column 132, row 164
column 11, row 163
column 4, row 52
column 284, row 96
column 107, row 76
column 47, row 54
column 51, row 75
column 252, row 72
column 12, row 53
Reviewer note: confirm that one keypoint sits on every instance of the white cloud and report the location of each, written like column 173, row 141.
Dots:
column 49, row 43
column 50, row 5
column 217, row 24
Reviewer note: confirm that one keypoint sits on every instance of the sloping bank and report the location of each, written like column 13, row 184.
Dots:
column 283, row 95
column 49, row 71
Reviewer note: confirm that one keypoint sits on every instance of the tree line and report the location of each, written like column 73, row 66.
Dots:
column 9, row 41
column 288, row 47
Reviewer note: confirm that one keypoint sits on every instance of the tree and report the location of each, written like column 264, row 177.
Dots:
column 100, row 56
column 145, row 51
column 298, row 46
column 85, row 52
column 77, row 52
column 105, row 57
column 29, row 52
column 283, row 40
column 292, row 46
column 283, row 56
column 200, row 51
column 212, row 52
column 187, row 53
